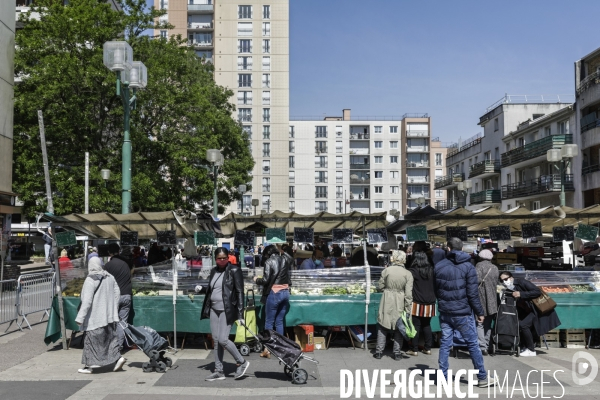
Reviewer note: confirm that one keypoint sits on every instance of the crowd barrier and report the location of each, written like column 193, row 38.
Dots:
column 8, row 302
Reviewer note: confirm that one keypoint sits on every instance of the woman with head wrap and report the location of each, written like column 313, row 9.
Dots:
column 98, row 317
column 397, row 285
column 487, row 275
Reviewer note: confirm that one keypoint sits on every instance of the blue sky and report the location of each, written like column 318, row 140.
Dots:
column 451, row 59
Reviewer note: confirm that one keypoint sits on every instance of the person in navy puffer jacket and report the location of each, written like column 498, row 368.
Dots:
column 456, row 289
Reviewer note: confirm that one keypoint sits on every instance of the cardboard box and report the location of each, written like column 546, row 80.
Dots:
column 320, row 343
column 305, row 337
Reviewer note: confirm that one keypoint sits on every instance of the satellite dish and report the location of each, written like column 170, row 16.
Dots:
column 390, row 218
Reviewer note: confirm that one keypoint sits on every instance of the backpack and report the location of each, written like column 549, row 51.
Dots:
column 405, row 326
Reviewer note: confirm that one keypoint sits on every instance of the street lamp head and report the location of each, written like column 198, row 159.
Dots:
column 255, row 202
column 468, row 184
column 138, row 75
column 569, row 150
column 460, row 186
column 553, row 155
column 242, row 188
column 421, row 200
column 213, row 155
column 220, row 161
column 118, row 55
column 105, row 174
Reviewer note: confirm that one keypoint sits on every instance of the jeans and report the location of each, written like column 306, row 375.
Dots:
column 124, row 308
column 484, row 331
column 423, row 323
column 466, row 326
column 277, row 306
column 220, row 334
column 47, row 250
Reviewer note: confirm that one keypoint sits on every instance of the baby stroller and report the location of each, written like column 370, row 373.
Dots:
column 151, row 343
column 242, row 339
column 506, row 328
column 287, row 351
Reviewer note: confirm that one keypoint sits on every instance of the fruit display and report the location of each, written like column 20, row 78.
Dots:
column 73, row 288
column 144, row 292
column 557, row 289
column 583, row 288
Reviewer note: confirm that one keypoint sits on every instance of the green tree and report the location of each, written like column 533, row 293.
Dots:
column 180, row 114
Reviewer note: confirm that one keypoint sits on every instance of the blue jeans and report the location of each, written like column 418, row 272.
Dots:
column 466, row 326
column 276, row 308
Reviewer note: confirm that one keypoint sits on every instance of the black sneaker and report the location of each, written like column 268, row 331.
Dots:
column 378, row 355
column 485, row 352
column 398, row 356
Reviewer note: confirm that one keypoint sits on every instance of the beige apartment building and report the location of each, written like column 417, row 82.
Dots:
column 248, row 43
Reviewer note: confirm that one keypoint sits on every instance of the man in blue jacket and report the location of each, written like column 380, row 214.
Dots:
column 456, row 289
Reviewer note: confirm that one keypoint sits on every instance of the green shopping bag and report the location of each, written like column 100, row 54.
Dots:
column 405, row 326
column 241, row 335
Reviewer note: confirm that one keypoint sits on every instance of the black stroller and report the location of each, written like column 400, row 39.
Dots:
column 151, row 343
column 287, row 351
column 506, row 329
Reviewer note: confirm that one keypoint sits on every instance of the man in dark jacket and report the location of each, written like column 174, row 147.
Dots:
column 438, row 254
column 456, row 289
column 120, row 269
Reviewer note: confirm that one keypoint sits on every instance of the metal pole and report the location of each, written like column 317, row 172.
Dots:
column 126, row 155
column 562, row 183
column 215, row 209
column 61, row 311
column 345, row 204
column 50, row 206
column 87, row 183
column 254, row 210
column 368, row 282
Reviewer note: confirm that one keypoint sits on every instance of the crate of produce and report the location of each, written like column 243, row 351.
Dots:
column 573, row 338
column 556, row 288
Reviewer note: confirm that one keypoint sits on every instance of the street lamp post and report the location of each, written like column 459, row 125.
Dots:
column 255, row 203
column 242, row 190
column 118, row 57
column 564, row 156
column 215, row 157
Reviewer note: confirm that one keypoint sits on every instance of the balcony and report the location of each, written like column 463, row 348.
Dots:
column 420, row 164
column 453, row 203
column 448, row 181
column 417, row 149
column 200, row 26
column 590, row 169
column 266, row 188
column 360, row 151
column 200, row 8
column 200, row 43
column 416, row 195
column 533, row 150
column 484, row 168
column 320, row 149
column 440, row 205
column 320, row 195
column 543, row 184
column 588, row 82
column 412, row 134
column 360, row 166
column 486, row 197
column 360, row 181
column 359, row 136
column 321, row 164
column 418, row 179
column 245, row 117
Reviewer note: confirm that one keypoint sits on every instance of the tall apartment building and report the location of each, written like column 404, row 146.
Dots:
column 248, row 43
column 506, row 165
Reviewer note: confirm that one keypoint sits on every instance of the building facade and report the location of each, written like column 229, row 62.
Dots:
column 248, row 43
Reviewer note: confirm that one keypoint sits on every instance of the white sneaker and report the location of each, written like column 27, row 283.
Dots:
column 84, row 371
column 119, row 364
column 527, row 353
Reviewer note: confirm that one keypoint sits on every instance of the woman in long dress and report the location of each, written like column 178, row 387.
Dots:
column 98, row 317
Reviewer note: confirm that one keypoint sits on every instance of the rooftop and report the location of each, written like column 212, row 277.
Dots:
column 533, row 98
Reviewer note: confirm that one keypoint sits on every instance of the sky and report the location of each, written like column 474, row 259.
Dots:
column 450, row 59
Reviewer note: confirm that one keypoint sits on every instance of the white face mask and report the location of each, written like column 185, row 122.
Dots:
column 509, row 283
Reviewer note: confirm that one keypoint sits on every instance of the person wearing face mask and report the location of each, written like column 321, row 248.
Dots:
column 530, row 320
column 224, row 304
column 312, row 263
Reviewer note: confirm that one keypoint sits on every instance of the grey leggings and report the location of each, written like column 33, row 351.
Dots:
column 220, row 333
column 382, row 339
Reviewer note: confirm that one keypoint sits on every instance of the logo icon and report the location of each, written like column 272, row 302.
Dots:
column 580, row 367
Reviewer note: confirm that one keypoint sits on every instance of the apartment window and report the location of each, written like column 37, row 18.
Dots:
column 244, row 46
column 245, row 12
column 320, row 206
column 244, row 63
column 378, row 159
column 266, row 80
column 266, row 149
column 244, row 28
column 266, row 98
column 292, row 205
column 266, row 46
column 292, row 146
column 507, row 147
column 266, row 63
column 563, row 127
column 245, row 98
column 378, row 174
column 393, row 129
column 394, row 175
column 508, row 179
column 378, row 189
column 378, row 144
column 320, row 162
column 163, row 34
column 266, row 202
column 266, row 169
column 379, row 204
column 292, row 133
column 244, row 80
column 521, row 142
column 321, row 131
column 266, row 115
column 320, row 176
column 439, row 194
column 339, row 208
column 248, row 131
column 292, row 192
column 266, row 185
column 378, row 129
column 394, row 190
column 266, row 29
column 339, row 192
column 438, row 159
column 546, row 131
column 339, row 162
column 292, row 162
column 508, row 206
column 339, row 177
column 321, row 147
column 292, row 177
column 393, row 144
column 245, row 114
column 266, row 131
column 246, row 203
column 339, row 147
column 393, row 159
column 266, row 12
column 535, row 205
column 321, row 192
column 394, row 205
column 440, row 172
column 496, row 125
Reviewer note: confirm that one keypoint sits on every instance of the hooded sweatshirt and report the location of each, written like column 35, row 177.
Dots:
column 456, row 285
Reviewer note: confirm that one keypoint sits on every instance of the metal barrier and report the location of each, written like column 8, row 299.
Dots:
column 8, row 302
column 35, row 294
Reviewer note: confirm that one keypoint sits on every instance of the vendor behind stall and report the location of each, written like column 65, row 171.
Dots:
column 315, row 262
